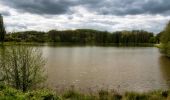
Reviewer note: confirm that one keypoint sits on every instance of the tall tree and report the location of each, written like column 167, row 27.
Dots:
column 2, row 29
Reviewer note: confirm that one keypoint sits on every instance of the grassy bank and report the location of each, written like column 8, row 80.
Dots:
column 8, row 93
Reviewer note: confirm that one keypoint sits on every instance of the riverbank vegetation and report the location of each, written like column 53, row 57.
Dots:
column 8, row 93
column 165, row 41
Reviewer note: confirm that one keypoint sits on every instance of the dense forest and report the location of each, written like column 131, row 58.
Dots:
column 84, row 36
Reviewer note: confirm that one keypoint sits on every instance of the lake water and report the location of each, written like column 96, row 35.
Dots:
column 120, row 68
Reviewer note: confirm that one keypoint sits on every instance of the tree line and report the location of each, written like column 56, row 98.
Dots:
column 84, row 36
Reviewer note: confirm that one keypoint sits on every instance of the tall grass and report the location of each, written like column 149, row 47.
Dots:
column 8, row 93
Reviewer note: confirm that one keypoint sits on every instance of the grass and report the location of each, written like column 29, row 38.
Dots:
column 8, row 93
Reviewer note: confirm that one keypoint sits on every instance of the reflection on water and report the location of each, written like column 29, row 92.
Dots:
column 121, row 68
column 165, row 68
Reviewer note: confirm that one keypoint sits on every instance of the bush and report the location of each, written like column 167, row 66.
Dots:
column 22, row 67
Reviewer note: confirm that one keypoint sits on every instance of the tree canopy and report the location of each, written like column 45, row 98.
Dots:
column 84, row 36
column 165, row 40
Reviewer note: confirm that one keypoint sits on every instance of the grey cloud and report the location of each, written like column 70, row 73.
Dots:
column 40, row 6
column 18, row 26
column 113, row 7
column 70, row 17
column 134, row 7
column 5, row 13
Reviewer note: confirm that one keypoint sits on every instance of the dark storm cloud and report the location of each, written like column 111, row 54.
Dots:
column 40, row 6
column 113, row 7
column 132, row 7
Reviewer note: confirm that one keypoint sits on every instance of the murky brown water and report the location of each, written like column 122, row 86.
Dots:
column 120, row 68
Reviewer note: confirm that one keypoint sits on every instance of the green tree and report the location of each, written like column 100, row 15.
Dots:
column 53, row 36
column 165, row 40
column 22, row 67
column 84, row 36
column 2, row 29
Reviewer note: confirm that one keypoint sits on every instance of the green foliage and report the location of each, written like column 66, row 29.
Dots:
column 83, row 36
column 152, row 40
column 153, row 95
column 27, row 36
column 41, row 95
column 74, row 95
column 8, row 93
column 158, row 37
column 135, row 96
column 2, row 29
column 22, row 67
column 165, row 40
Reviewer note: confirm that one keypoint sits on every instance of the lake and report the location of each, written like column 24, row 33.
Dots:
column 95, row 67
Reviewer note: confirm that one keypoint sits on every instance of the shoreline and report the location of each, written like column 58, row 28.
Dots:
column 7, row 92
column 81, row 44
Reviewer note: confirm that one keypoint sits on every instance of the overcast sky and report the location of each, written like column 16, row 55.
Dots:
column 105, row 15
